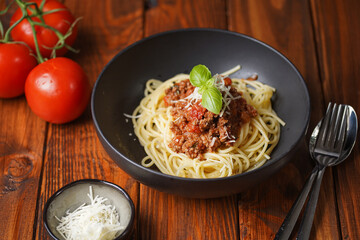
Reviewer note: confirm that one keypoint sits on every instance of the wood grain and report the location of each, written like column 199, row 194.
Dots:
column 73, row 150
column 319, row 36
column 336, row 23
column 286, row 26
column 175, row 14
column 21, row 153
column 165, row 216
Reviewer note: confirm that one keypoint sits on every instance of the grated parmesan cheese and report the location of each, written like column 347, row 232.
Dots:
column 93, row 221
column 212, row 141
column 227, row 97
column 193, row 97
column 219, row 83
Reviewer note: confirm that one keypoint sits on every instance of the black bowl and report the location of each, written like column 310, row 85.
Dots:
column 121, row 84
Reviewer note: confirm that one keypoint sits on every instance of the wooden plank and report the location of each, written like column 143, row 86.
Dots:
column 107, row 27
column 336, row 23
column 176, row 14
column 21, row 143
column 165, row 216
column 22, row 136
column 286, row 26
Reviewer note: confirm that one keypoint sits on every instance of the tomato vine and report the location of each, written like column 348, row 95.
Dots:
column 31, row 11
column 56, row 88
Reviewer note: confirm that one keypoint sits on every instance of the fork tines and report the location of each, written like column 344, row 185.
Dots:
column 332, row 130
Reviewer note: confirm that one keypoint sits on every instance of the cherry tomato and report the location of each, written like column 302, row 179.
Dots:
column 57, row 90
column 15, row 65
column 60, row 20
column 227, row 81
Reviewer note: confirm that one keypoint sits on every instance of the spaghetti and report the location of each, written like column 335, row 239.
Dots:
column 250, row 149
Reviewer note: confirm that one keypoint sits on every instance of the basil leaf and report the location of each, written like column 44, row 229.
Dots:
column 202, row 89
column 212, row 99
column 209, row 83
column 199, row 75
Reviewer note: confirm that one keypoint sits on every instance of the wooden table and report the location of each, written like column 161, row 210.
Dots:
column 322, row 39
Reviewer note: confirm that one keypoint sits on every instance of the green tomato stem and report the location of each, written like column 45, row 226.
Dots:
column 7, row 34
column 38, row 53
column 2, row 12
column 30, row 10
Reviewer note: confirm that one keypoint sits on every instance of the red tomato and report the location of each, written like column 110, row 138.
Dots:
column 57, row 90
column 190, row 127
column 227, row 81
column 196, row 111
column 15, row 65
column 46, row 38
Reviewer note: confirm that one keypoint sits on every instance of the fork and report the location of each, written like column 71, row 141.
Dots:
column 327, row 152
column 325, row 148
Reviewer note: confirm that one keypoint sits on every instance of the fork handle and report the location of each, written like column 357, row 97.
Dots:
column 308, row 218
column 291, row 218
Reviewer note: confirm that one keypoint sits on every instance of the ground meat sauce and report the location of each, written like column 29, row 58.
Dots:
column 198, row 130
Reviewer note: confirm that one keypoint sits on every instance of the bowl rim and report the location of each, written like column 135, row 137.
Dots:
column 241, row 35
column 128, row 228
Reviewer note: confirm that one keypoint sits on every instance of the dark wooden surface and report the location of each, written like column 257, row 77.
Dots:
column 321, row 37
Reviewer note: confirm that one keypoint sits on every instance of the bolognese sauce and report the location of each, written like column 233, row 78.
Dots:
column 197, row 130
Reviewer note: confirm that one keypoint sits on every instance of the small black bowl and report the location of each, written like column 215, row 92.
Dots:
column 120, row 87
column 74, row 194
